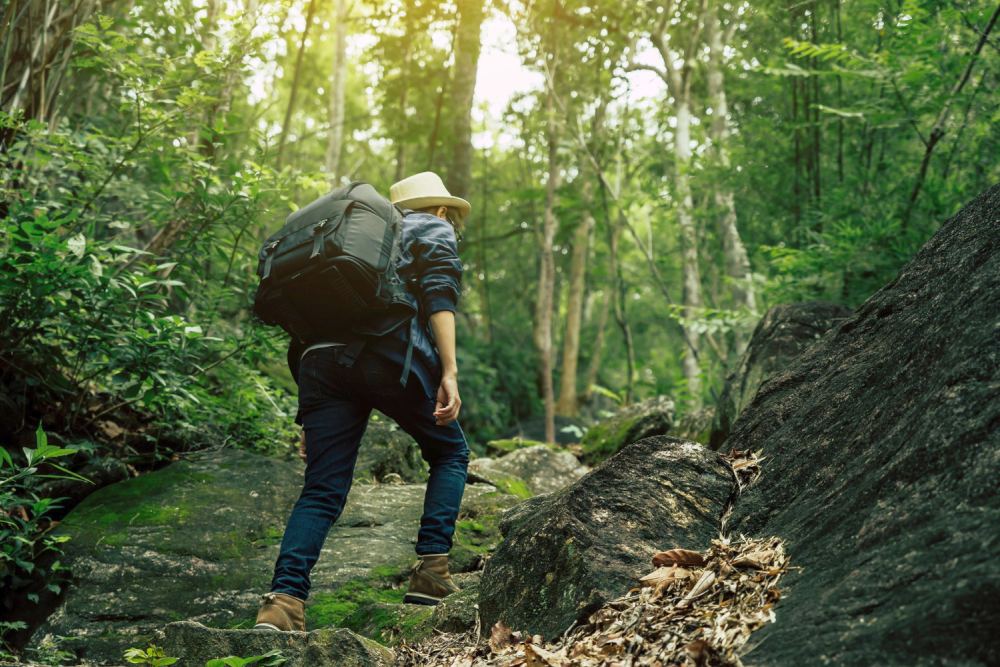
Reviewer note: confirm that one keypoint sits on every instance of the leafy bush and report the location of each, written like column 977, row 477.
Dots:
column 24, row 522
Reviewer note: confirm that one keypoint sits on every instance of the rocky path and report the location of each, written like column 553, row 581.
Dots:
column 197, row 541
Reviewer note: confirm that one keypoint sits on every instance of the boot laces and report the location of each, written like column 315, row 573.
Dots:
column 268, row 597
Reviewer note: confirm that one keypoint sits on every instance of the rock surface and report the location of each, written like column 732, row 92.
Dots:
column 566, row 553
column 695, row 425
column 387, row 449
column 540, row 468
column 195, row 644
column 780, row 336
column 197, row 540
column 883, row 452
column 568, row 430
column 651, row 417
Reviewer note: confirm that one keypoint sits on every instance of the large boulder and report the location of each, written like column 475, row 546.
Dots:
column 196, row 644
column 566, row 553
column 387, row 449
column 882, row 459
column 778, row 339
column 197, row 540
column 539, row 469
column 654, row 416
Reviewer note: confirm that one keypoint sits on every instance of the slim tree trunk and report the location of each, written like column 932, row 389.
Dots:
column 620, row 306
column 483, row 257
column 676, row 73
column 546, row 278
column 36, row 39
column 817, row 129
column 733, row 249
column 296, row 77
column 940, row 126
column 404, row 96
column 568, row 404
column 690, row 274
column 335, row 138
column 597, row 349
column 467, row 47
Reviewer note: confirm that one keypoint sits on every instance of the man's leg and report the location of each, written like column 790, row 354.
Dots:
column 333, row 427
column 447, row 452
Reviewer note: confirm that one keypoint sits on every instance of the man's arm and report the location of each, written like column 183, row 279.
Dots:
column 449, row 403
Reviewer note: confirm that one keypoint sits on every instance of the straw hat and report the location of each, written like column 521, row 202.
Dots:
column 424, row 190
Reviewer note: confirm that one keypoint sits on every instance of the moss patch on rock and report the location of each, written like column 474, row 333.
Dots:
column 477, row 531
column 508, row 445
column 651, row 417
column 372, row 606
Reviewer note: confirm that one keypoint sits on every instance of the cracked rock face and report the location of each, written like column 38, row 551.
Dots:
column 566, row 553
column 543, row 469
column 198, row 539
column 780, row 336
column 882, row 457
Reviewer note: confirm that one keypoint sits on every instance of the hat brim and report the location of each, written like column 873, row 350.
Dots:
column 463, row 206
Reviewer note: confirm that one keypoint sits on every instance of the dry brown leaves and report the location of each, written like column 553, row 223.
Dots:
column 745, row 465
column 683, row 613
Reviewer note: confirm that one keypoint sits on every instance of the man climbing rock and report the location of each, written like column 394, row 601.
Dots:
column 411, row 375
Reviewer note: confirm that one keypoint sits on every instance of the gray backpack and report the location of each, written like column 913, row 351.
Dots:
column 331, row 269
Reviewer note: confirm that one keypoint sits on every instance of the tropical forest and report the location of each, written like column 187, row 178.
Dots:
column 712, row 288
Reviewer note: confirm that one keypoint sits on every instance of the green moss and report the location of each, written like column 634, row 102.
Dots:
column 478, row 536
column 605, row 438
column 514, row 486
column 341, row 607
column 508, row 445
column 372, row 606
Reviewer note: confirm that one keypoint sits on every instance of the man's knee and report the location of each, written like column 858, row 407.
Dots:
column 450, row 453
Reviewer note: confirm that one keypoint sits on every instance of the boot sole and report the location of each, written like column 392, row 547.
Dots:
column 418, row 598
column 266, row 626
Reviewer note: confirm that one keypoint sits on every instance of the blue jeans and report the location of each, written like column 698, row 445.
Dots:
column 334, row 404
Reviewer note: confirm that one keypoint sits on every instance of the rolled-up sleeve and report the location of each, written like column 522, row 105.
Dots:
column 439, row 270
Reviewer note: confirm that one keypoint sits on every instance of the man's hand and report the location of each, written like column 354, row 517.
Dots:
column 302, row 445
column 448, row 402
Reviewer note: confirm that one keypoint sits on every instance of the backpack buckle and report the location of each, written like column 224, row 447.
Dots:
column 318, row 238
column 269, row 251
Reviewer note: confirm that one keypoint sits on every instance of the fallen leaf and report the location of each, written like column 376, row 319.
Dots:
column 539, row 657
column 699, row 651
column 500, row 637
column 110, row 429
column 679, row 557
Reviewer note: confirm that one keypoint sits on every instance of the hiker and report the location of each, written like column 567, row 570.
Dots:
column 336, row 397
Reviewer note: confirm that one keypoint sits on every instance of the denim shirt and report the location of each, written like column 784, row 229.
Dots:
column 428, row 263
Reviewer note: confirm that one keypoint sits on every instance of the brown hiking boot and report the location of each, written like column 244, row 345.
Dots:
column 279, row 611
column 430, row 581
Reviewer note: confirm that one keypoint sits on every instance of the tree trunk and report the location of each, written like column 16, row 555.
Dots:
column 335, row 138
column 568, row 404
column 733, row 249
column 37, row 41
column 597, row 349
column 546, row 278
column 690, row 274
column 467, row 46
column 296, row 77
column 620, row 304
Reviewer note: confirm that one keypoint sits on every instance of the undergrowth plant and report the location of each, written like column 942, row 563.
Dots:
column 25, row 525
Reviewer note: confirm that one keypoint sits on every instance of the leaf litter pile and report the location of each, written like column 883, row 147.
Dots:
column 695, row 609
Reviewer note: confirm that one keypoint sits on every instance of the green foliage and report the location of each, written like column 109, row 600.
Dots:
column 269, row 659
column 152, row 656
column 25, row 524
